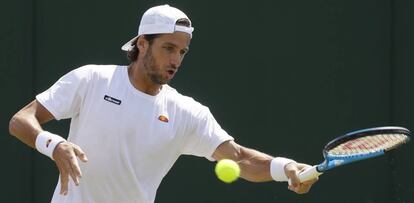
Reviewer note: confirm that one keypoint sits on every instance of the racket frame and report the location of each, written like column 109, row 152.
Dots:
column 332, row 161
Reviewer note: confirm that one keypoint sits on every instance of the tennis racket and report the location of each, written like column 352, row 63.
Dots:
column 356, row 146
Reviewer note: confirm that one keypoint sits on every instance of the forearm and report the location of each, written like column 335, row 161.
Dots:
column 259, row 167
column 254, row 165
column 26, row 124
column 25, row 128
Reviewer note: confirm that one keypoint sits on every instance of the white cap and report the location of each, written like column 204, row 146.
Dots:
column 158, row 20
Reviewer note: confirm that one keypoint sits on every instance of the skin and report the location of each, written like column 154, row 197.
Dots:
column 156, row 65
column 26, row 125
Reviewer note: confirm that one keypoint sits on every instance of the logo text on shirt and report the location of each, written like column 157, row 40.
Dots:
column 112, row 100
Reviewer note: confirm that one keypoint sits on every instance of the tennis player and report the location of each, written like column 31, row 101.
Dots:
column 128, row 126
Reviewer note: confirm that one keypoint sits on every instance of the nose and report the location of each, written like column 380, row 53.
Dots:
column 175, row 60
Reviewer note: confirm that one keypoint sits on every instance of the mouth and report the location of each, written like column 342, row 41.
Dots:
column 171, row 72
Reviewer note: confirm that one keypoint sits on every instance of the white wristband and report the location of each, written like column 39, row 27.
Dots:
column 46, row 143
column 277, row 168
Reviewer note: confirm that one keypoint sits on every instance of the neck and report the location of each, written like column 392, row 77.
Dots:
column 141, row 81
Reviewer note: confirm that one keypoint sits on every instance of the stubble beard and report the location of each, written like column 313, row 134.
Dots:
column 151, row 69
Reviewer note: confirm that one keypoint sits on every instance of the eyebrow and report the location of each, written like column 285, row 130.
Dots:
column 186, row 49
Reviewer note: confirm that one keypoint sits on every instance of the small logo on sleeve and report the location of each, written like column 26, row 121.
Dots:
column 163, row 118
column 112, row 100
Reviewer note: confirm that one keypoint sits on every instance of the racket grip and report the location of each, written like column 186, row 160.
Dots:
column 309, row 174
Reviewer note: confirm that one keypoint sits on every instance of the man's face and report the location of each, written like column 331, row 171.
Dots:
column 164, row 56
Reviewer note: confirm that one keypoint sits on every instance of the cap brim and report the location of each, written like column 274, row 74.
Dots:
column 129, row 45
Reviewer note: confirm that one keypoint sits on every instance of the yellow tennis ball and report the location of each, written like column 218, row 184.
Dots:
column 227, row 170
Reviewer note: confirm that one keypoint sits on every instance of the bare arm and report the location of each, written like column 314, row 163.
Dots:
column 25, row 125
column 255, row 165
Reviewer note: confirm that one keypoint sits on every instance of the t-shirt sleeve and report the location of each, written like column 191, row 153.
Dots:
column 205, row 134
column 63, row 99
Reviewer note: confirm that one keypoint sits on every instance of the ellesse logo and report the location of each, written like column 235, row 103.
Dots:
column 112, row 100
column 163, row 118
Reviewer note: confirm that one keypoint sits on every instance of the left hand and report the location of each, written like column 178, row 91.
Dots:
column 292, row 171
column 66, row 156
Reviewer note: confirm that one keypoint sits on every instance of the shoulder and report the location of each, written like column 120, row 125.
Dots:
column 179, row 98
column 186, row 103
column 93, row 71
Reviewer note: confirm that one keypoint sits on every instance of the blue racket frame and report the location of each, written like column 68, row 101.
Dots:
column 332, row 161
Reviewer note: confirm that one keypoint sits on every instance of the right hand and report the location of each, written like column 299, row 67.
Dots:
column 65, row 156
column 292, row 171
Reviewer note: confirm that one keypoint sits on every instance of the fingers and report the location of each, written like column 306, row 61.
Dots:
column 65, row 155
column 74, row 170
column 73, row 167
column 292, row 170
column 64, row 180
column 77, row 173
column 79, row 153
column 301, row 188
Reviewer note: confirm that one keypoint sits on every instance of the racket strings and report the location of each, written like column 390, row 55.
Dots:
column 369, row 144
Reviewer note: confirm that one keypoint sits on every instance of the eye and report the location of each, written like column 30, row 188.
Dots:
column 183, row 52
column 169, row 48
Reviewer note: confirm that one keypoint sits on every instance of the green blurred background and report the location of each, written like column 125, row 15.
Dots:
column 283, row 77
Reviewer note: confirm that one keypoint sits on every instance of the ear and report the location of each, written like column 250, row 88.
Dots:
column 142, row 44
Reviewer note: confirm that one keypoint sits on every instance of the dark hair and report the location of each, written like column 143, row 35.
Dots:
column 134, row 52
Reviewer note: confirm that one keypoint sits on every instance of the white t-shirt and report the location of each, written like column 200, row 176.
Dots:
column 131, row 139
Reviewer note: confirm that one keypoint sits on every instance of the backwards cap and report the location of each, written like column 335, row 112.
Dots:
column 160, row 20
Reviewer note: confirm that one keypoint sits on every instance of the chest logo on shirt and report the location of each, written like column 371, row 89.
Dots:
column 163, row 118
column 112, row 100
